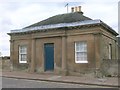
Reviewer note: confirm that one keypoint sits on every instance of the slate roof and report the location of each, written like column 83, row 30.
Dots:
column 62, row 18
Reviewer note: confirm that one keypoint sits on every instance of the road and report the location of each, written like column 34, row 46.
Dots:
column 24, row 83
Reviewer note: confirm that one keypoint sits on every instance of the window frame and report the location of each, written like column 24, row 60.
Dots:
column 76, row 51
column 22, row 53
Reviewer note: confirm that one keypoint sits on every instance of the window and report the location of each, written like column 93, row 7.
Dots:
column 81, row 52
column 22, row 54
column 110, row 51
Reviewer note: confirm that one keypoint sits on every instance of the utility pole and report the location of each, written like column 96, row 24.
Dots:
column 67, row 7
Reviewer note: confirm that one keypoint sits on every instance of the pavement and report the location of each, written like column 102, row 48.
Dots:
column 106, row 81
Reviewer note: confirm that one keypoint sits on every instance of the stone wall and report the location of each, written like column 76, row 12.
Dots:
column 5, row 63
column 109, row 67
column 0, row 63
column 119, row 47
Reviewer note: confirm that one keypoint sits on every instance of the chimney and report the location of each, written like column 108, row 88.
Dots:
column 79, row 9
column 72, row 9
column 76, row 9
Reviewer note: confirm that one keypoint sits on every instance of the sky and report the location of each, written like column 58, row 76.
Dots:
column 17, row 14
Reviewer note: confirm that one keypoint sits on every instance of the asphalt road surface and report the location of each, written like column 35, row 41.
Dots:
column 24, row 83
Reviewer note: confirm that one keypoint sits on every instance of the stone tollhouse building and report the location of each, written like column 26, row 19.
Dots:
column 66, row 44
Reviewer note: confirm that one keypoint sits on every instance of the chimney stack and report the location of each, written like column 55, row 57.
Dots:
column 79, row 8
column 76, row 9
column 72, row 9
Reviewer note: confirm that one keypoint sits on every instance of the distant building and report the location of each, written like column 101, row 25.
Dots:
column 68, row 43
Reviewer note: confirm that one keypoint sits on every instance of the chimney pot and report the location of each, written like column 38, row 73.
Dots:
column 75, row 9
column 79, row 8
column 72, row 9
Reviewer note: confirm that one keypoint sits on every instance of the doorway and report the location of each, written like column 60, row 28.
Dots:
column 49, row 56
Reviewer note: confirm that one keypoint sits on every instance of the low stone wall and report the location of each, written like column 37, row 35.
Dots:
column 0, row 63
column 109, row 67
column 5, row 63
column 119, row 47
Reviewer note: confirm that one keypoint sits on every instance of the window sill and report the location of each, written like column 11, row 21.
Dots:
column 81, row 61
column 22, row 61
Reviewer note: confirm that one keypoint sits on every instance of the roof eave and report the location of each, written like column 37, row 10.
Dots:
column 109, row 28
column 94, row 22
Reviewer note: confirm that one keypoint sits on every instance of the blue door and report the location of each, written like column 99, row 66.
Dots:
column 49, row 57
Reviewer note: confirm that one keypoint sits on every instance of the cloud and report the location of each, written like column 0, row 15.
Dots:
column 107, row 12
column 4, row 44
column 16, row 15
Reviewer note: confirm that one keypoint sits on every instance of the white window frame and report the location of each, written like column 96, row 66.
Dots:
column 79, row 51
column 22, row 53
